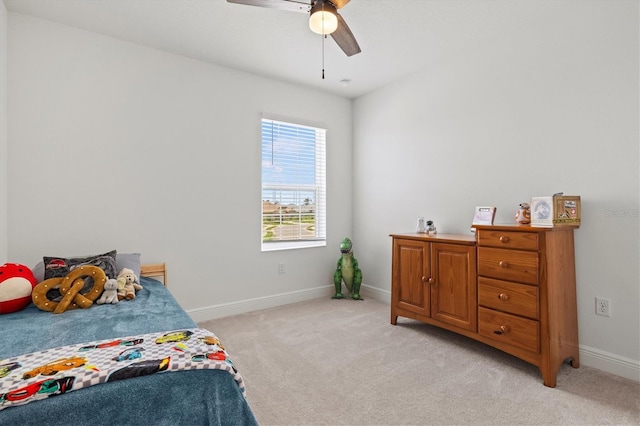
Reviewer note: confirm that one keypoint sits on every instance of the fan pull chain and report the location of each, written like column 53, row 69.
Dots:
column 323, row 37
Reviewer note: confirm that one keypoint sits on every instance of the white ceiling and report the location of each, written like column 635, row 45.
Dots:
column 397, row 37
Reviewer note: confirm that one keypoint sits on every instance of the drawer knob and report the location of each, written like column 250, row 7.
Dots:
column 503, row 264
column 503, row 296
column 504, row 329
column 504, row 239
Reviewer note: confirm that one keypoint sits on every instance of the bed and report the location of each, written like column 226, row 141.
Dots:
column 195, row 396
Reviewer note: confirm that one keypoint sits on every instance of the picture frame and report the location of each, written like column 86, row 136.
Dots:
column 484, row 215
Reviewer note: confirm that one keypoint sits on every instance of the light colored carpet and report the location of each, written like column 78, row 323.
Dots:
column 340, row 362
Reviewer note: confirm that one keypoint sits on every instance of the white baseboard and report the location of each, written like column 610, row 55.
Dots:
column 250, row 305
column 591, row 357
column 611, row 363
column 376, row 293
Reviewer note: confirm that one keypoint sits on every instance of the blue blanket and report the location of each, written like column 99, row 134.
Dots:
column 188, row 397
column 31, row 329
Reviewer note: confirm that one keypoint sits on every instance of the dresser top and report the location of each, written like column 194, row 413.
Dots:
column 523, row 228
column 440, row 238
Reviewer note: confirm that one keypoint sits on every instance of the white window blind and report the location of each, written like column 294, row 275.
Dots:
column 293, row 185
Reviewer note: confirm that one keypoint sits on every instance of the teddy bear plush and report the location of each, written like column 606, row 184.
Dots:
column 110, row 293
column 128, row 283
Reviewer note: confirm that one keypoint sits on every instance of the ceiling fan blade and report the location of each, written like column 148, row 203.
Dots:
column 345, row 39
column 291, row 5
column 339, row 4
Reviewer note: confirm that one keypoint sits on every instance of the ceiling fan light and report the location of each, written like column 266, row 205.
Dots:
column 323, row 19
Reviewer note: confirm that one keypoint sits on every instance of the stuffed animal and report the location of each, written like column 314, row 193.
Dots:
column 16, row 284
column 128, row 283
column 110, row 293
column 71, row 288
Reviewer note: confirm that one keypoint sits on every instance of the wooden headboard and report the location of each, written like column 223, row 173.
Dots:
column 155, row 270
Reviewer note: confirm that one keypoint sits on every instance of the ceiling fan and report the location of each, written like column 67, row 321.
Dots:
column 323, row 18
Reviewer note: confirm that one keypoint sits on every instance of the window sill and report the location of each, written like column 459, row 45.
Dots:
column 291, row 245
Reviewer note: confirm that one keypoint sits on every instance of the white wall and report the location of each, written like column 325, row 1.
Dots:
column 3, row 133
column 169, row 150
column 552, row 107
column 115, row 145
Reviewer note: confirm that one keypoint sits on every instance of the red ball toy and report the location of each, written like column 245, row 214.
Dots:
column 16, row 284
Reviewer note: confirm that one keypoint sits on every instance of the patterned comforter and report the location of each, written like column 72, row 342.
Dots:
column 51, row 372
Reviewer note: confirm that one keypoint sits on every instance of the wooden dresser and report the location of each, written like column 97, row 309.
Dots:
column 511, row 287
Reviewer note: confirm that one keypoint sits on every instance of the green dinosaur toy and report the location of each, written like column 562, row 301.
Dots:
column 347, row 271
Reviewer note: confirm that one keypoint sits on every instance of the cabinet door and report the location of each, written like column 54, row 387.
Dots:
column 411, row 272
column 453, row 291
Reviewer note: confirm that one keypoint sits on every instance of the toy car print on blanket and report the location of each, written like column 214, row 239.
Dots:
column 51, row 372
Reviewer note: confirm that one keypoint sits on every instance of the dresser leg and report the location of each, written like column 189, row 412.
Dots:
column 575, row 361
column 549, row 379
column 549, row 374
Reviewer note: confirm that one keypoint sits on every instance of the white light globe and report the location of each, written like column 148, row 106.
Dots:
column 323, row 22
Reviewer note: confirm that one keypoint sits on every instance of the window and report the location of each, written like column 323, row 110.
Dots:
column 293, row 186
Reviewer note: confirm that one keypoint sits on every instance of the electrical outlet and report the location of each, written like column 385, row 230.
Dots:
column 281, row 268
column 603, row 307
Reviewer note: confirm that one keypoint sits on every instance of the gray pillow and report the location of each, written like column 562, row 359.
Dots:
column 128, row 260
column 38, row 271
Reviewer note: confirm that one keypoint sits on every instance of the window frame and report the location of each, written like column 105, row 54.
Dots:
column 319, row 185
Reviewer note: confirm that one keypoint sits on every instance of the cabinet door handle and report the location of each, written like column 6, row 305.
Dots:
column 503, row 264
column 504, row 329
column 503, row 296
column 424, row 279
column 431, row 281
column 504, row 239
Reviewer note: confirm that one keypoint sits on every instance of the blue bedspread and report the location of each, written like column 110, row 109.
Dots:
column 187, row 397
column 31, row 329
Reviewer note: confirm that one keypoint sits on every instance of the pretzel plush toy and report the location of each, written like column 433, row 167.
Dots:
column 70, row 287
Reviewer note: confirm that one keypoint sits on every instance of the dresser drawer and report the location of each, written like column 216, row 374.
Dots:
column 515, row 331
column 511, row 265
column 508, row 239
column 518, row 299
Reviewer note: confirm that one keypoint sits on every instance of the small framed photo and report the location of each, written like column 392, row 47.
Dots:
column 542, row 212
column 484, row 215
